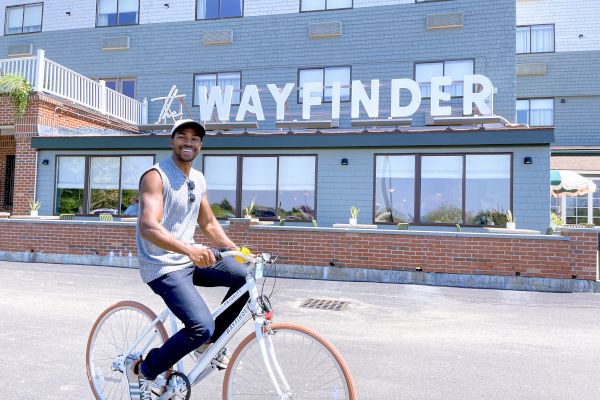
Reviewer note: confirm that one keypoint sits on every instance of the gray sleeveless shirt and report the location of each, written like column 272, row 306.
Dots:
column 180, row 218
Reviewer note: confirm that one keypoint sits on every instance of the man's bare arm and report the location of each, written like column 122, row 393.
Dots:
column 151, row 229
column 211, row 227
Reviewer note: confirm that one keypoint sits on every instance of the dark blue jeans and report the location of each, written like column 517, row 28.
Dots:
column 178, row 290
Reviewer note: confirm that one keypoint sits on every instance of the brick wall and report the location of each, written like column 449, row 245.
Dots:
column 46, row 111
column 540, row 256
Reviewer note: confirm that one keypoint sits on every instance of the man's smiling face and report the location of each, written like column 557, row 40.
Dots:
column 186, row 144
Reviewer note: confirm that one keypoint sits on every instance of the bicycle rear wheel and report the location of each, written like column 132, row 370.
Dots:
column 312, row 366
column 113, row 333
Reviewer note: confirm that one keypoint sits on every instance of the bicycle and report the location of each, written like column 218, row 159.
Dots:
column 298, row 363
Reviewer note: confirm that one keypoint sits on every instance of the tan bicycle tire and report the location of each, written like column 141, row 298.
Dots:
column 306, row 331
column 122, row 304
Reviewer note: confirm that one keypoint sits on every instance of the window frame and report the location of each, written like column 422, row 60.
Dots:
column 219, row 17
column 119, row 81
column 443, row 70
column 240, row 173
column 217, row 74
column 418, row 179
column 86, row 180
column 530, row 38
column 24, row 5
column 117, row 24
column 324, row 9
column 592, row 175
column 323, row 101
column 529, row 109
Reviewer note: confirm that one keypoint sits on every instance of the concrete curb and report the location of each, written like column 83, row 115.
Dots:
column 434, row 279
column 343, row 274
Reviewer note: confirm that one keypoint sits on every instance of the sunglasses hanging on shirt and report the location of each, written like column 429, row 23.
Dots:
column 191, row 195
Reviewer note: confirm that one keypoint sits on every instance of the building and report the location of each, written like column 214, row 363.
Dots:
column 558, row 53
column 425, row 175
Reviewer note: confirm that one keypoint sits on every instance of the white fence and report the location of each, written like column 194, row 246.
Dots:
column 50, row 77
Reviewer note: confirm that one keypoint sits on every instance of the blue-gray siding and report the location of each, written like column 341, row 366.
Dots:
column 380, row 42
column 572, row 76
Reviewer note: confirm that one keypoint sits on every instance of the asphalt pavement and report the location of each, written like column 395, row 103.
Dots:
column 400, row 341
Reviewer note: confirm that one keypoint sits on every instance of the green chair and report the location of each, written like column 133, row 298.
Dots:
column 314, row 223
column 66, row 216
column 402, row 226
column 106, row 217
column 458, row 228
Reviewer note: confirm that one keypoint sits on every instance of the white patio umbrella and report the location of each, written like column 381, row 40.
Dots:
column 569, row 183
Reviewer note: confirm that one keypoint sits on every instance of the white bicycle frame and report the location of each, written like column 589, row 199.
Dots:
column 251, row 309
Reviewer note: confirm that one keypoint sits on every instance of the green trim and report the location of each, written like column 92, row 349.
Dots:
column 513, row 137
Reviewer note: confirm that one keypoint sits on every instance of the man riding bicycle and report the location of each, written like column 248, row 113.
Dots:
column 172, row 201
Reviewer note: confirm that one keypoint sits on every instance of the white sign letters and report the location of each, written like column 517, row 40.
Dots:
column 477, row 92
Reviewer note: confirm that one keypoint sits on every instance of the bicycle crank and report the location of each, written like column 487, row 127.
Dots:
column 178, row 387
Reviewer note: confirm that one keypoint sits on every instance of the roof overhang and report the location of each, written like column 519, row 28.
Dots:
column 270, row 140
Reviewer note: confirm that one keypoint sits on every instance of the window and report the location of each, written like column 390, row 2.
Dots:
column 110, row 186
column 577, row 206
column 117, row 12
column 279, row 186
column 221, row 79
column 441, row 189
column 395, row 189
column 456, row 69
column 70, row 181
column 319, row 5
column 535, row 39
column 125, row 86
column 221, row 182
column 535, row 112
column 23, row 19
column 487, row 191
column 325, row 77
column 428, row 189
column 212, row 9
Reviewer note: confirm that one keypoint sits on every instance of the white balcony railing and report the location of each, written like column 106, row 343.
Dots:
column 50, row 77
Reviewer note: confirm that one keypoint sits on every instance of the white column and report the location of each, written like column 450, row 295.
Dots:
column 145, row 111
column 103, row 96
column 40, row 71
column 563, row 207
column 590, row 208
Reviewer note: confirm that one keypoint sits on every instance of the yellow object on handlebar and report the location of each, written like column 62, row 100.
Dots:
column 243, row 250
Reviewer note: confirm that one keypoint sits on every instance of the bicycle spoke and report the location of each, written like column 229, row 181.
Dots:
column 310, row 368
column 118, row 329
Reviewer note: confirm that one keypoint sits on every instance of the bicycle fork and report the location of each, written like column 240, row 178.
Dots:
column 269, row 357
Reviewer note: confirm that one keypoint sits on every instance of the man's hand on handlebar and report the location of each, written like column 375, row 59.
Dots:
column 201, row 256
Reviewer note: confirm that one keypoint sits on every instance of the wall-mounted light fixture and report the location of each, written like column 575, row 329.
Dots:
column 581, row 36
column 45, row 162
column 344, row 161
column 68, row 13
column 166, row 5
column 562, row 101
column 527, row 160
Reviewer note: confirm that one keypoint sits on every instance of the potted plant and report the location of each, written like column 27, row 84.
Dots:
column 353, row 215
column 34, row 206
column 248, row 210
column 510, row 221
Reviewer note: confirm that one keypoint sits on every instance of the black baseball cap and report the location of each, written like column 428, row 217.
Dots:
column 188, row 123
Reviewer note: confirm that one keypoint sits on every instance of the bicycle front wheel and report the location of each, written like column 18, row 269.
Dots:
column 115, row 330
column 311, row 365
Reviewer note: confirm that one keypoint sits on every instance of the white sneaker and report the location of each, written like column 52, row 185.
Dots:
column 221, row 360
column 140, row 387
